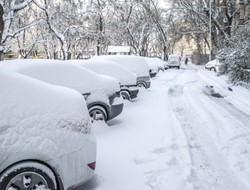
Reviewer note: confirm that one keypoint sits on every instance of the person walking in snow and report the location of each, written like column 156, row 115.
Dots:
column 186, row 61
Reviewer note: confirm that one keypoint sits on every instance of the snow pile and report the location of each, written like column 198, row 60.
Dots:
column 235, row 95
column 135, row 64
column 112, row 69
column 38, row 117
column 209, row 90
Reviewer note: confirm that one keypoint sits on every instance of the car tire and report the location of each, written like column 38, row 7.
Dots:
column 28, row 175
column 98, row 113
column 213, row 69
column 125, row 95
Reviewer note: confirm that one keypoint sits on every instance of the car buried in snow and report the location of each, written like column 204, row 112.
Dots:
column 135, row 64
column 127, row 79
column 102, row 93
column 160, row 63
column 153, row 67
column 213, row 65
column 46, row 137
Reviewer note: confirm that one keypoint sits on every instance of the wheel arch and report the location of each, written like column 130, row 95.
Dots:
column 126, row 91
column 141, row 82
column 104, row 106
column 213, row 69
column 57, row 176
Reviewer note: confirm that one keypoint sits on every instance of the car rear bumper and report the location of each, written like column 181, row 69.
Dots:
column 148, row 84
column 115, row 110
column 174, row 65
column 152, row 75
column 133, row 93
column 76, row 163
column 145, row 80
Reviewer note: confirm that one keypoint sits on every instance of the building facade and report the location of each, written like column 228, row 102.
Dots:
column 243, row 14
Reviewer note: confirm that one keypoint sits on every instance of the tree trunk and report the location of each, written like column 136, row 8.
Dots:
column 1, row 33
column 98, row 48
column 165, row 53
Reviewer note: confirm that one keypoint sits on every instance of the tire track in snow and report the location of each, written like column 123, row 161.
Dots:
column 170, row 168
column 208, row 172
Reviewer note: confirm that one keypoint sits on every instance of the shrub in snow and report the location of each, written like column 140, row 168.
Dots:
column 235, row 59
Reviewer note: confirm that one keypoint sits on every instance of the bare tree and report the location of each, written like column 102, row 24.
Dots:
column 8, row 15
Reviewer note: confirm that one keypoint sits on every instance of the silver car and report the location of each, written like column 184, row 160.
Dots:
column 46, row 136
column 174, row 61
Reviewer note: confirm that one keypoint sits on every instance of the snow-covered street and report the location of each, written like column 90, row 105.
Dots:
column 189, row 131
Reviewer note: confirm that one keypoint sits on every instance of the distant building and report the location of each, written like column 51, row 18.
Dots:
column 113, row 50
column 243, row 14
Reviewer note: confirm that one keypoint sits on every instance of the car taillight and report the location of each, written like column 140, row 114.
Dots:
column 92, row 165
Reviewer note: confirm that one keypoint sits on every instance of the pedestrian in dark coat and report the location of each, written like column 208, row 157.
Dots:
column 186, row 61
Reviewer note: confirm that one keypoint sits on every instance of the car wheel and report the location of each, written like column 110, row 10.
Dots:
column 28, row 175
column 125, row 95
column 141, row 85
column 98, row 113
column 213, row 69
column 178, row 67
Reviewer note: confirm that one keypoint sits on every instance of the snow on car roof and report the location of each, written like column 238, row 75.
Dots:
column 158, row 61
column 64, row 74
column 135, row 64
column 36, row 116
column 213, row 62
column 110, row 68
column 152, row 64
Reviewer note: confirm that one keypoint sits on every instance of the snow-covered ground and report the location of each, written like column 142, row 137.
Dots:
column 189, row 131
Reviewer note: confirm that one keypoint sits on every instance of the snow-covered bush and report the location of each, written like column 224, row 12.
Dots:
column 235, row 59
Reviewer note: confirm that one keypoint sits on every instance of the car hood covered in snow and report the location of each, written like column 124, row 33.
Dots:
column 36, row 117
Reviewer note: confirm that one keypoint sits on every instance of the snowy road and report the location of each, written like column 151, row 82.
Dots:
column 189, row 131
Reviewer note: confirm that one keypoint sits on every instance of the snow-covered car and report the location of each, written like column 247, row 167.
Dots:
column 46, row 137
column 102, row 93
column 133, row 63
column 174, row 61
column 160, row 63
column 127, row 79
column 153, row 66
column 213, row 65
